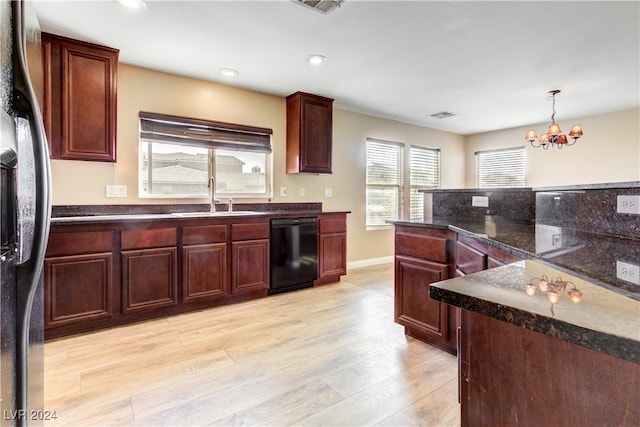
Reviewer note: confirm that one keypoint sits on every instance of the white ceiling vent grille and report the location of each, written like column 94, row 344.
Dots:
column 323, row 6
column 443, row 115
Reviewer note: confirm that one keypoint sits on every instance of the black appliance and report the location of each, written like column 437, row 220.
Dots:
column 24, row 216
column 294, row 253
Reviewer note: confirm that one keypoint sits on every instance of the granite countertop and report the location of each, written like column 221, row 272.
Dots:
column 602, row 320
column 592, row 257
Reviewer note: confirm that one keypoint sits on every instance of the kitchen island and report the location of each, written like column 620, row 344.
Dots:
column 547, row 317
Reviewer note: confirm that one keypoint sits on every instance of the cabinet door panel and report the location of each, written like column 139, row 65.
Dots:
column 250, row 266
column 316, row 151
column 204, row 272
column 331, row 257
column 149, row 279
column 413, row 307
column 78, row 288
column 469, row 260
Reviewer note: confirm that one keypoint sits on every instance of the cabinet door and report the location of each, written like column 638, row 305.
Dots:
column 249, row 266
column 413, row 307
column 204, row 272
column 469, row 260
column 149, row 279
column 79, row 99
column 78, row 288
column 332, row 261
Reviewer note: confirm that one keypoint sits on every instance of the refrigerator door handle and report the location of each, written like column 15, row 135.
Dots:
column 28, row 272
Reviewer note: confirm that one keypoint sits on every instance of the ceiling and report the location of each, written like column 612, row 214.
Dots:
column 489, row 63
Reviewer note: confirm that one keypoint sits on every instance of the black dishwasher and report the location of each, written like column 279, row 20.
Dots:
column 294, row 253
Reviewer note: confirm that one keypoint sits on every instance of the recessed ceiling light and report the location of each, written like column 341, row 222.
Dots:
column 132, row 4
column 228, row 72
column 316, row 59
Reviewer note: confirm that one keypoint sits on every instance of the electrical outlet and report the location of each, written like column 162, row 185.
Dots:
column 301, row 192
column 629, row 204
column 480, row 201
column 116, row 191
column 328, row 192
column 283, row 191
column 628, row 272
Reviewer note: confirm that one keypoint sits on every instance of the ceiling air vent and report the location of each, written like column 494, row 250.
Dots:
column 442, row 115
column 323, row 6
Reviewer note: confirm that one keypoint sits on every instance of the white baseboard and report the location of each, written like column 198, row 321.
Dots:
column 369, row 262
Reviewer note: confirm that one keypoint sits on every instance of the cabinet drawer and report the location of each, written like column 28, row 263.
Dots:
column 152, row 238
column 469, row 260
column 250, row 231
column 79, row 243
column 204, row 234
column 420, row 246
column 328, row 226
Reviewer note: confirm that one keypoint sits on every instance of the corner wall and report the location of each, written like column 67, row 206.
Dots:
column 609, row 151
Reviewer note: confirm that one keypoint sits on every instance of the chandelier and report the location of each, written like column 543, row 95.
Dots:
column 554, row 136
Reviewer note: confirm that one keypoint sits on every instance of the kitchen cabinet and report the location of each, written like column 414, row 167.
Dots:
column 309, row 133
column 424, row 256
column 511, row 375
column 472, row 256
column 249, row 257
column 79, row 110
column 332, row 248
column 204, row 263
column 149, row 269
column 79, row 278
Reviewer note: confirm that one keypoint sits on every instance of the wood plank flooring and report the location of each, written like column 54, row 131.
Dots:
column 325, row 356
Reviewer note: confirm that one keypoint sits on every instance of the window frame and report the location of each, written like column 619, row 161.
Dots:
column 208, row 135
column 519, row 170
column 414, row 189
column 399, row 186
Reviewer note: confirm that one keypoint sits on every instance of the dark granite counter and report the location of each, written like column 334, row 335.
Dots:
column 96, row 214
column 593, row 257
column 602, row 319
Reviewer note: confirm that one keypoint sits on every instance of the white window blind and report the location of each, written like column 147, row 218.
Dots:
column 385, row 178
column 500, row 168
column 424, row 173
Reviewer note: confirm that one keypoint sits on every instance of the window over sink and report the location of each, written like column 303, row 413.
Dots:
column 179, row 156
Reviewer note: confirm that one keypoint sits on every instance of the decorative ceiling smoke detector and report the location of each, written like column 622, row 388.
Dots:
column 322, row 6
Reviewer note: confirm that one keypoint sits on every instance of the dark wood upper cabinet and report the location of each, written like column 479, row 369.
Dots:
column 309, row 133
column 79, row 110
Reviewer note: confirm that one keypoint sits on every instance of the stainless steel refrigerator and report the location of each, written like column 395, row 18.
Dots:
column 24, row 214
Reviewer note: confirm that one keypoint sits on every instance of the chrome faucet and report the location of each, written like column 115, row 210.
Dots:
column 230, row 204
column 213, row 195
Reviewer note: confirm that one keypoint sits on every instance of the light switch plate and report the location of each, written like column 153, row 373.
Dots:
column 301, row 192
column 328, row 192
column 116, row 191
column 480, row 201
column 283, row 191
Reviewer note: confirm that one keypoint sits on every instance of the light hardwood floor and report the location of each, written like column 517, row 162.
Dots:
column 325, row 356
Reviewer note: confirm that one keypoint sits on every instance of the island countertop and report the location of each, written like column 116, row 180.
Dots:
column 602, row 320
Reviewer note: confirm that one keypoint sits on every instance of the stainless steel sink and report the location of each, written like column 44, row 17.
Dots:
column 216, row 214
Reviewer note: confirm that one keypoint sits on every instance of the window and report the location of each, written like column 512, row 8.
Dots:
column 385, row 181
column 500, row 168
column 179, row 156
column 424, row 173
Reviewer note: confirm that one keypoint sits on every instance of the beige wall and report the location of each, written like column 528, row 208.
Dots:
column 609, row 151
column 139, row 89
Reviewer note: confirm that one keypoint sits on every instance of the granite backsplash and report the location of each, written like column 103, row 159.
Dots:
column 592, row 211
column 516, row 205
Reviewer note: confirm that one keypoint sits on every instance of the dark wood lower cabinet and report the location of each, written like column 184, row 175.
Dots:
column 149, row 279
column 331, row 259
column 421, row 315
column 250, row 266
column 514, row 376
column 204, row 272
column 79, row 288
